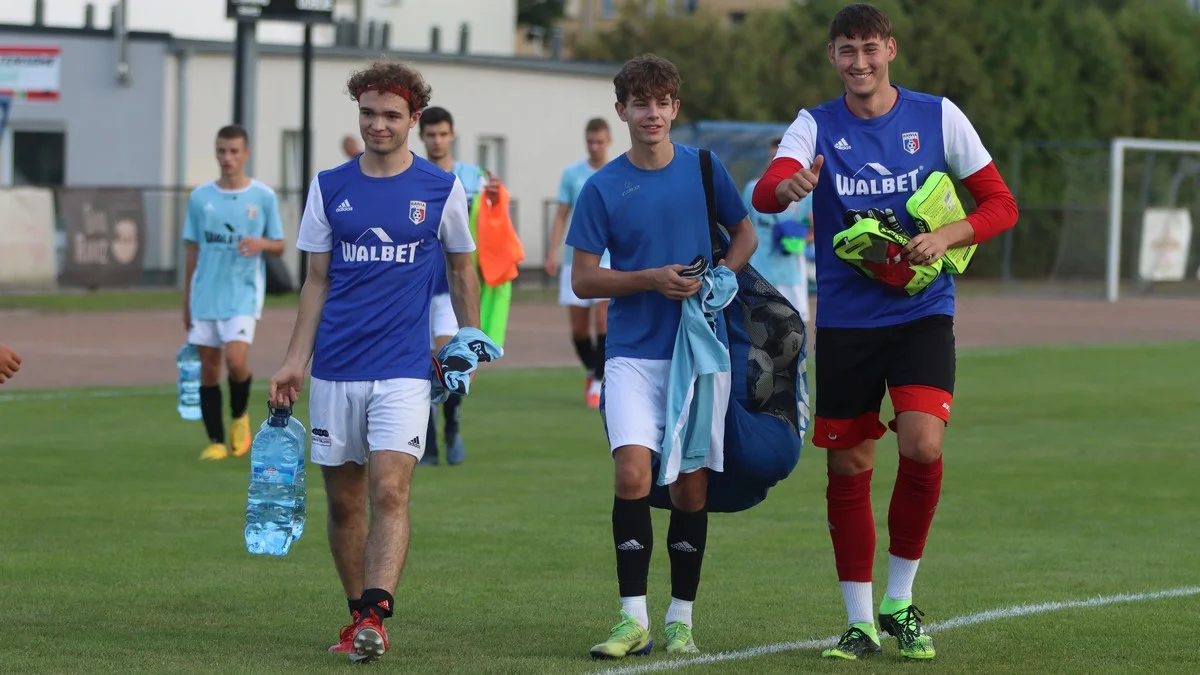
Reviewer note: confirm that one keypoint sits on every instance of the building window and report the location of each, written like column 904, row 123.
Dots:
column 608, row 9
column 737, row 17
column 39, row 158
column 491, row 155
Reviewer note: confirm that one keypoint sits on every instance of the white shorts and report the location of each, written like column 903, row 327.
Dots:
column 566, row 294
column 442, row 322
column 219, row 333
column 349, row 419
column 635, row 406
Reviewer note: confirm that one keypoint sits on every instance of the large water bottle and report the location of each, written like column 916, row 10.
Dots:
column 275, row 501
column 187, row 359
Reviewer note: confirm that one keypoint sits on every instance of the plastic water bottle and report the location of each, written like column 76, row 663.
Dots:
column 188, row 362
column 275, row 500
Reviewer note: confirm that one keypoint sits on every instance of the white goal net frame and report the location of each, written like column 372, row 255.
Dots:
column 1116, row 194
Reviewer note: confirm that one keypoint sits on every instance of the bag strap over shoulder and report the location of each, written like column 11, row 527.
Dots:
column 710, row 202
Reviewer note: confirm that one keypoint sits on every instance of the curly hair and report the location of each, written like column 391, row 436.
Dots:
column 398, row 78
column 647, row 76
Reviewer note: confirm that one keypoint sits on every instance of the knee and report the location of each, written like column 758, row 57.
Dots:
column 852, row 461
column 633, row 480
column 390, row 500
column 346, row 511
column 236, row 363
column 922, row 447
column 689, row 495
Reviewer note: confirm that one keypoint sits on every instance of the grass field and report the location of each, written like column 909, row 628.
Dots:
column 1070, row 474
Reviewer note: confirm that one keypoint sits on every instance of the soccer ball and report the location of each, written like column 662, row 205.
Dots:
column 761, row 372
column 778, row 330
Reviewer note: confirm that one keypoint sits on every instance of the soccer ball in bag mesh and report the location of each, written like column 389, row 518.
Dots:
column 776, row 335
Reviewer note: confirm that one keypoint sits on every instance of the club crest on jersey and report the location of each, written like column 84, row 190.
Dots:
column 251, row 212
column 416, row 212
column 912, row 142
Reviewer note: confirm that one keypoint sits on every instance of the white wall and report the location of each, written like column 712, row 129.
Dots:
column 492, row 22
column 485, row 101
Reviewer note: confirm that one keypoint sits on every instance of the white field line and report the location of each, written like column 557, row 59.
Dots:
column 1012, row 612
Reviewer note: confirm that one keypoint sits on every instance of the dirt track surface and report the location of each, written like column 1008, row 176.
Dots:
column 138, row 348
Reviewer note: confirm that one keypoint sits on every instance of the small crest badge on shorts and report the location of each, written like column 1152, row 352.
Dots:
column 251, row 212
column 912, row 142
column 416, row 212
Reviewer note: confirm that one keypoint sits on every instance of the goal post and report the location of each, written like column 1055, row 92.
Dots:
column 1116, row 193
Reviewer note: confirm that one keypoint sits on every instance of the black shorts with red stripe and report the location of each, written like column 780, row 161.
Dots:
column 913, row 362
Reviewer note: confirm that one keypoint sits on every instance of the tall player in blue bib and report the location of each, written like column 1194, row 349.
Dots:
column 375, row 228
column 874, row 147
column 231, row 224
column 647, row 208
column 437, row 135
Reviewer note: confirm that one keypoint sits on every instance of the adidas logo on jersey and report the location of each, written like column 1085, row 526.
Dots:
column 841, row 145
column 415, row 442
column 344, row 206
column 863, row 183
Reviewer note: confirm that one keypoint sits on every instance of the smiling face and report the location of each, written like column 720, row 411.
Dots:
column 384, row 120
column 649, row 117
column 862, row 63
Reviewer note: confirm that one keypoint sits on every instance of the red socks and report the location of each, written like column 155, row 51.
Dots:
column 851, row 525
column 918, row 487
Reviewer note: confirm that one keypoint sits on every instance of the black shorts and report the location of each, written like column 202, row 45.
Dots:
column 913, row 362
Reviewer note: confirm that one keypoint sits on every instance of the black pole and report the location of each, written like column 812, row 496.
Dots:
column 306, row 131
column 239, row 73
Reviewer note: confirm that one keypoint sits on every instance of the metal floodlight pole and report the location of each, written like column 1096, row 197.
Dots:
column 306, row 132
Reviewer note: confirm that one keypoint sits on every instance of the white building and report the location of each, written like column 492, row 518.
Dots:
column 491, row 24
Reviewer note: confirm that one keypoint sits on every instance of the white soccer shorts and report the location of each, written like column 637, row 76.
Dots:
column 219, row 333
column 635, row 406
column 349, row 419
column 442, row 322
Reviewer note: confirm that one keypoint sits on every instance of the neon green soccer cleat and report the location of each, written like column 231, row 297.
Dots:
column 679, row 639
column 902, row 620
column 627, row 637
column 860, row 640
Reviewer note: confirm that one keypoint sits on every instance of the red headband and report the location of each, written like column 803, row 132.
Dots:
column 397, row 90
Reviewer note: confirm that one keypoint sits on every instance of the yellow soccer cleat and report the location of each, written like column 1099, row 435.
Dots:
column 240, row 437
column 214, row 451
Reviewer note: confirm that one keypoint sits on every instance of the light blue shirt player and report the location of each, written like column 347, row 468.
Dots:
column 387, row 238
column 227, row 284
column 473, row 180
column 573, row 179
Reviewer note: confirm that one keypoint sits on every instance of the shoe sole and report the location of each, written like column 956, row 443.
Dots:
column 644, row 651
column 368, row 646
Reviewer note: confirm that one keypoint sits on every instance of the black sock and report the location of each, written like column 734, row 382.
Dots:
column 355, row 606
column 431, row 448
column 598, row 367
column 239, row 396
column 210, row 410
column 633, row 537
column 686, row 537
column 452, row 411
column 583, row 347
column 378, row 602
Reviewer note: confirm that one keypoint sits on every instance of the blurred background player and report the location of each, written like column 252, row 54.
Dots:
column 350, row 147
column 10, row 363
column 782, row 237
column 231, row 222
column 581, row 313
column 437, row 134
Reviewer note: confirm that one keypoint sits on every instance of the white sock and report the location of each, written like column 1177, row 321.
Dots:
column 857, row 596
column 635, row 606
column 901, row 573
column 680, row 610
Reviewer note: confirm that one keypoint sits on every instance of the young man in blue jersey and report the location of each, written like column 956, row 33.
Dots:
column 873, row 147
column 231, row 223
column 647, row 209
column 375, row 228
column 437, row 134
column 780, row 261
column 581, row 312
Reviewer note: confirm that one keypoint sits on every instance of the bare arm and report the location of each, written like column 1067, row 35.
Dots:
column 557, row 231
column 191, row 256
column 742, row 244
column 464, row 288
column 589, row 280
column 308, row 317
